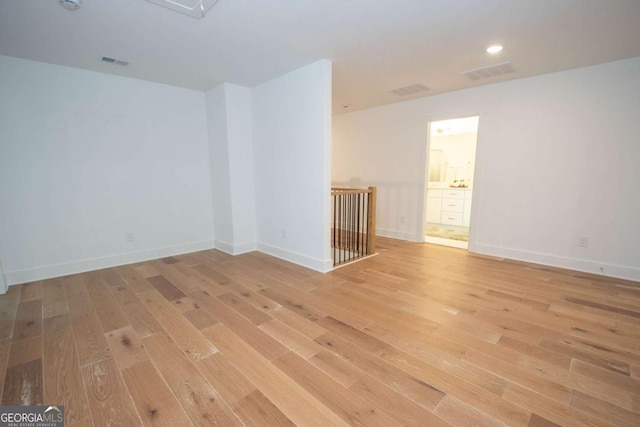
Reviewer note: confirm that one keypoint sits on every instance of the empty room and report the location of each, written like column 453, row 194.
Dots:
column 319, row 213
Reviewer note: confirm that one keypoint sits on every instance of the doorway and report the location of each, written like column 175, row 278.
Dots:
column 450, row 175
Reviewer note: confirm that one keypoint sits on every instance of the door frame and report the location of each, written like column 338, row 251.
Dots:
column 476, row 193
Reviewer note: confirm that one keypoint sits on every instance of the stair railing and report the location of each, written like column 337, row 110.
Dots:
column 353, row 224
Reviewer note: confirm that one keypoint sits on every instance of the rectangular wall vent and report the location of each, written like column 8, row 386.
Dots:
column 490, row 71
column 410, row 90
column 114, row 61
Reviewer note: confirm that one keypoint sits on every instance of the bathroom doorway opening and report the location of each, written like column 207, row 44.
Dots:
column 450, row 178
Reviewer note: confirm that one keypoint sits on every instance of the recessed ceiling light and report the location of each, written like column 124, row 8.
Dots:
column 494, row 48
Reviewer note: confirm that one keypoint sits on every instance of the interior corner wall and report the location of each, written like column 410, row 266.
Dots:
column 557, row 158
column 87, row 157
column 216, row 110
column 292, row 146
column 242, row 177
column 229, row 123
column 3, row 282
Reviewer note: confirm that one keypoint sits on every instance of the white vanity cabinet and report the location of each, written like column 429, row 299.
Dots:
column 434, row 205
column 450, row 206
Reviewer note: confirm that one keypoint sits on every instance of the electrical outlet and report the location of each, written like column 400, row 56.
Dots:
column 402, row 220
column 583, row 241
column 129, row 237
column 284, row 234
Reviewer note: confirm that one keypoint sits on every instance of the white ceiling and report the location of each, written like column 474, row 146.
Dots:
column 376, row 45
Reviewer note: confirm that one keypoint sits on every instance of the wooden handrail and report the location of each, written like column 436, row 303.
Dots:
column 350, row 190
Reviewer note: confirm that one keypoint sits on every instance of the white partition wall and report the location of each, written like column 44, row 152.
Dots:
column 230, row 124
column 292, row 150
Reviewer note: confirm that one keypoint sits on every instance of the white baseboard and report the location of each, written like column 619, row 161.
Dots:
column 58, row 270
column 316, row 264
column 241, row 248
column 394, row 234
column 587, row 266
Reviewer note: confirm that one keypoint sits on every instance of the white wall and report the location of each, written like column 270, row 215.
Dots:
column 229, row 121
column 216, row 110
column 240, row 131
column 87, row 157
column 292, row 150
column 3, row 282
column 557, row 158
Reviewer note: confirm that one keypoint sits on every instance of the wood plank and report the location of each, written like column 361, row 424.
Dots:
column 25, row 351
column 414, row 388
column 459, row 413
column 538, row 421
column 112, row 277
column 346, row 404
column 186, row 304
column 145, row 269
column 549, row 409
column 155, row 403
column 54, row 302
column 586, row 356
column 200, row 318
column 5, row 345
column 8, row 308
column 23, row 385
column 181, row 280
column 298, row 322
column 309, row 313
column 514, row 374
column 606, row 376
column 399, row 407
column 604, row 411
column 137, row 313
column 87, row 331
column 200, row 400
column 631, row 313
column 31, row 291
column 258, row 339
column 256, row 299
column 126, row 347
column 106, row 306
column 574, row 380
column 62, row 376
column 293, row 340
column 134, row 280
column 256, row 410
column 166, row 288
column 320, row 305
column 232, row 385
column 184, row 333
column 28, row 323
column 293, row 400
column 254, row 315
column 337, row 368
column 108, row 397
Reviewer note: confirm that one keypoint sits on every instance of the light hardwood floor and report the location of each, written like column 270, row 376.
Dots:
column 419, row 335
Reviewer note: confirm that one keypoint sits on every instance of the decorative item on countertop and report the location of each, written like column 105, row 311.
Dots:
column 459, row 183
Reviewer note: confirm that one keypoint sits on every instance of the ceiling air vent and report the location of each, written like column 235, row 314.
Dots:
column 410, row 90
column 490, row 71
column 114, row 61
